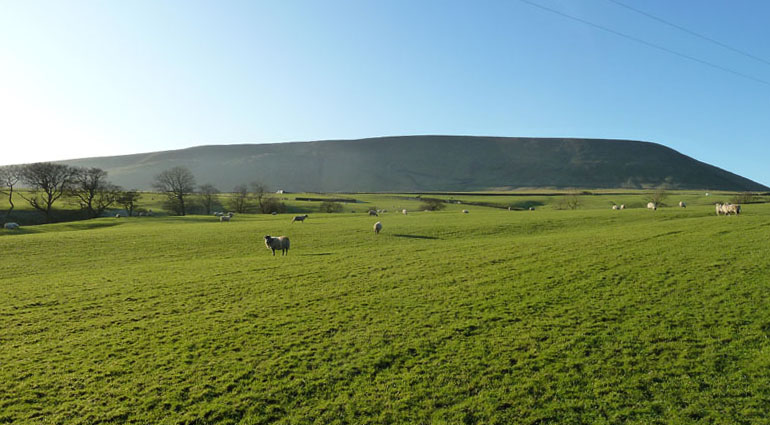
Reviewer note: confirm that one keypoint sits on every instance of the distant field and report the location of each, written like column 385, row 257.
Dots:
column 495, row 317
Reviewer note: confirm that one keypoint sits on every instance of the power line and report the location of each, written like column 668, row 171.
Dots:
column 688, row 31
column 647, row 43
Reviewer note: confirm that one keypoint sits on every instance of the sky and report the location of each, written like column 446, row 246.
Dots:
column 94, row 78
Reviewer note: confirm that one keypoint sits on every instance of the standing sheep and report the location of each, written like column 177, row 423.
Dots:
column 652, row 205
column 403, row 211
column 281, row 242
column 615, row 207
column 377, row 228
column 299, row 218
column 682, row 204
column 13, row 226
column 622, row 206
column 373, row 212
column 224, row 218
column 465, row 211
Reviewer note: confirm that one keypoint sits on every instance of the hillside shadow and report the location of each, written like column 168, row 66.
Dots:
column 415, row 236
column 316, row 255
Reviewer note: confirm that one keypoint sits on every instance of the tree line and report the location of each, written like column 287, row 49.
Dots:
column 45, row 183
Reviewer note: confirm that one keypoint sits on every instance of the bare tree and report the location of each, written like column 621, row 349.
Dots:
column 93, row 191
column 9, row 178
column 127, row 199
column 177, row 183
column 208, row 197
column 240, row 200
column 658, row 196
column 48, row 182
column 261, row 195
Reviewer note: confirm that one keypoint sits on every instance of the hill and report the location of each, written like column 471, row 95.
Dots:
column 430, row 163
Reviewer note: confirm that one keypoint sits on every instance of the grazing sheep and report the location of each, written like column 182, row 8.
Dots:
column 117, row 215
column 224, row 218
column 403, row 211
column 509, row 208
column 728, row 209
column 373, row 212
column 615, row 207
column 281, row 242
column 274, row 213
column 377, row 228
column 299, row 218
column 682, row 204
column 465, row 211
column 531, row 208
column 622, row 206
column 652, row 205
column 11, row 226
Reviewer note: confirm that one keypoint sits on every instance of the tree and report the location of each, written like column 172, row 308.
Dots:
column 657, row 197
column 432, row 204
column 262, row 197
column 240, row 200
column 177, row 183
column 9, row 178
column 93, row 191
column 48, row 183
column 330, row 207
column 207, row 193
column 127, row 199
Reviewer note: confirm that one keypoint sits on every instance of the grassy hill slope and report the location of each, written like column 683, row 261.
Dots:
column 588, row 316
column 430, row 163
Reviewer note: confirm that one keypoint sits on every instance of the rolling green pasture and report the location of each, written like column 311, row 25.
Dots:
column 494, row 317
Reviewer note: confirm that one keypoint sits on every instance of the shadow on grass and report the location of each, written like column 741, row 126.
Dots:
column 315, row 255
column 415, row 236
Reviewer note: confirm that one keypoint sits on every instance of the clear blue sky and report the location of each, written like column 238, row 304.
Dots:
column 92, row 78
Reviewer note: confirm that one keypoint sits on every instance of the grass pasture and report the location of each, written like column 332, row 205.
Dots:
column 495, row 317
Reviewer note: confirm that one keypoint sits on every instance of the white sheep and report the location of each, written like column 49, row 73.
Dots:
column 652, row 205
column 281, row 242
column 117, row 215
column 622, row 206
column 728, row 209
column 615, row 207
column 531, row 208
column 274, row 213
column 11, row 226
column 682, row 204
column 377, row 228
column 465, row 211
column 299, row 218
column 403, row 211
column 224, row 218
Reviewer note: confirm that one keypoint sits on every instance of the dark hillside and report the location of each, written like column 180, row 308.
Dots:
column 430, row 163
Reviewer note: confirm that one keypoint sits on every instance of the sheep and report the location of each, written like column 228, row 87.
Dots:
column 622, row 206
column 117, row 215
column 377, row 228
column 11, row 225
column 299, row 218
column 403, row 211
column 682, row 204
column 281, row 242
column 274, row 213
column 465, row 211
column 531, row 208
column 224, row 218
column 652, row 205
column 728, row 209
column 374, row 213
column 615, row 207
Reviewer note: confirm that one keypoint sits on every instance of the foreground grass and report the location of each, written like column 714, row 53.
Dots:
column 491, row 317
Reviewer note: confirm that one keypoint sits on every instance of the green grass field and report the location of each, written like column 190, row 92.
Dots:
column 494, row 317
